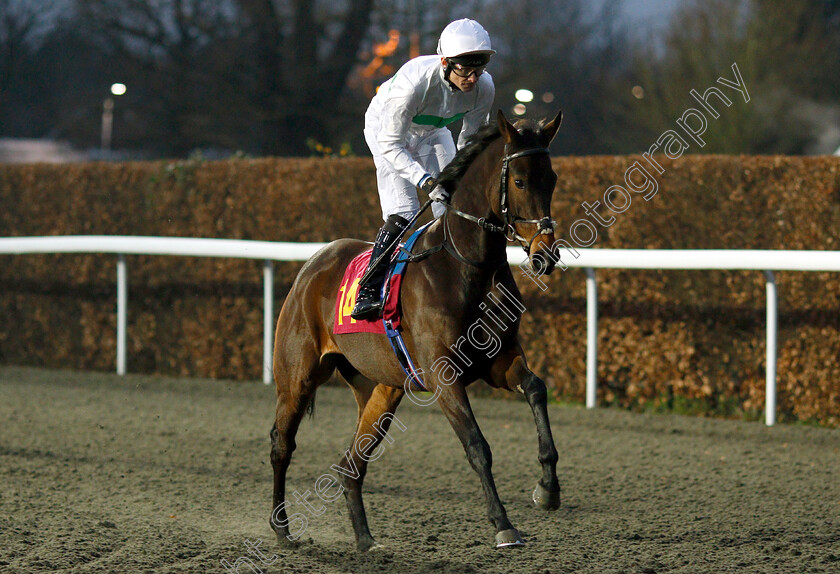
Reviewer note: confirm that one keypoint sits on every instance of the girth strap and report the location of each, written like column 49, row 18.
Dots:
column 403, row 356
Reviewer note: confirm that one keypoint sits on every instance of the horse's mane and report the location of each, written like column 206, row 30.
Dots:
column 477, row 143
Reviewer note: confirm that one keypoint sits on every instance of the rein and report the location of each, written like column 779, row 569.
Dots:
column 545, row 225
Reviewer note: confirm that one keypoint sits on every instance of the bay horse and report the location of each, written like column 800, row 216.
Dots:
column 460, row 318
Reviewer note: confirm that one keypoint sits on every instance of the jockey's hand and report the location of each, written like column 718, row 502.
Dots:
column 439, row 194
column 435, row 191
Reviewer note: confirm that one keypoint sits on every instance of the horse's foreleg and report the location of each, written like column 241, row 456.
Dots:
column 373, row 424
column 547, row 493
column 456, row 406
column 510, row 372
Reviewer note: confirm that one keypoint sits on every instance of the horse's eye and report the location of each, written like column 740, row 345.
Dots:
column 519, row 183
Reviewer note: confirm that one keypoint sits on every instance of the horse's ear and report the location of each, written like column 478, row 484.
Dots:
column 506, row 128
column 549, row 130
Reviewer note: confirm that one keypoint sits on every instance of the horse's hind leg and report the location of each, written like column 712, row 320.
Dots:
column 295, row 392
column 373, row 424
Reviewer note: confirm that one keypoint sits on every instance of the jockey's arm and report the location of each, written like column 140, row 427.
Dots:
column 397, row 114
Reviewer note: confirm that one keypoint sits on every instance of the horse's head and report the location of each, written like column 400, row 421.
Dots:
column 526, row 187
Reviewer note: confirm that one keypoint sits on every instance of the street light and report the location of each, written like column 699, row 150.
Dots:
column 108, row 115
column 524, row 96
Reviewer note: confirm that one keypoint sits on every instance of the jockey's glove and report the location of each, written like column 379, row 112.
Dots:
column 435, row 191
column 439, row 194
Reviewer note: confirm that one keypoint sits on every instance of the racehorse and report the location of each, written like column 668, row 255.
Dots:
column 460, row 318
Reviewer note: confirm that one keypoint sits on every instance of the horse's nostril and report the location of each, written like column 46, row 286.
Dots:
column 542, row 263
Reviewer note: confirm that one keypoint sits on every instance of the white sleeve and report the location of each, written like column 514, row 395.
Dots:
column 400, row 105
column 480, row 114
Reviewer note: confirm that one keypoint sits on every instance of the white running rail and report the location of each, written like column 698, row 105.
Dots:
column 766, row 261
column 269, row 251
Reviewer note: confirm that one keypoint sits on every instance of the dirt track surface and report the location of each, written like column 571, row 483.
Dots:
column 138, row 474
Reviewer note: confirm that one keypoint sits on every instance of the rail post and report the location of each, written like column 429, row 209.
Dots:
column 268, row 320
column 591, row 339
column 772, row 337
column 122, row 312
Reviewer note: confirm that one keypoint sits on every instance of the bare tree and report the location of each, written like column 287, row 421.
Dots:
column 304, row 52
column 566, row 53
column 180, row 56
column 787, row 51
column 703, row 40
column 23, row 24
column 802, row 38
column 226, row 72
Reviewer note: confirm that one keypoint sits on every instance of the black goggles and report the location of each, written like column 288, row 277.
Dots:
column 463, row 71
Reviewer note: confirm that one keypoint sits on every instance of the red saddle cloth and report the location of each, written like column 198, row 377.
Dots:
column 346, row 299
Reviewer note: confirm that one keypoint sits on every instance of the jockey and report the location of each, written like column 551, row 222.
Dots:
column 405, row 129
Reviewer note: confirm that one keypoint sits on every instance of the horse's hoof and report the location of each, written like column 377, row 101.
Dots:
column 507, row 538
column 545, row 499
column 368, row 545
column 287, row 542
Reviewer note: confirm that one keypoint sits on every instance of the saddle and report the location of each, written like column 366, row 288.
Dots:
column 389, row 323
column 390, row 291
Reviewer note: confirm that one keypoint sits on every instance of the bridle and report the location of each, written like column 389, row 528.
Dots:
column 545, row 225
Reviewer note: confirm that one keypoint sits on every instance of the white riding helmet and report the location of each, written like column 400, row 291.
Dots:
column 465, row 37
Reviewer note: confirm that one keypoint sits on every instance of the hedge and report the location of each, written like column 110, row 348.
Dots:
column 684, row 340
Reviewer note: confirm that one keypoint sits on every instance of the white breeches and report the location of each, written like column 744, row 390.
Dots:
column 399, row 196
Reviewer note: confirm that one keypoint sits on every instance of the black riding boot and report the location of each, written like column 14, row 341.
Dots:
column 368, row 306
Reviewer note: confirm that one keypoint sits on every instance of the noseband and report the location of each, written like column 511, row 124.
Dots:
column 545, row 225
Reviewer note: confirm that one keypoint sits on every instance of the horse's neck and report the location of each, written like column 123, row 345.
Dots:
column 472, row 241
